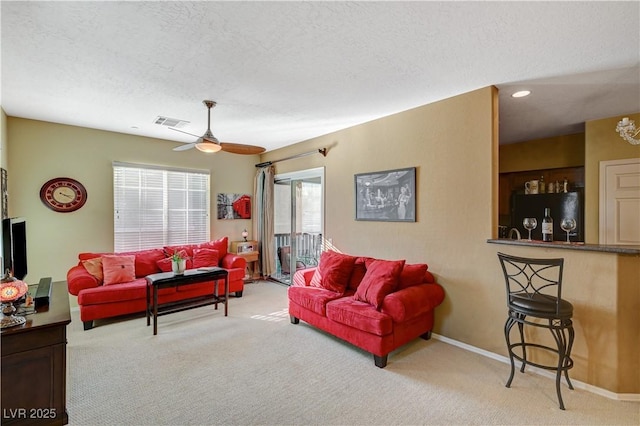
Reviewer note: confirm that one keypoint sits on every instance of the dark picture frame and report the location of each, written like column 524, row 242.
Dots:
column 4, row 193
column 386, row 196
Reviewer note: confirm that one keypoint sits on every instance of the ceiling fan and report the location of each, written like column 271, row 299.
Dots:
column 209, row 143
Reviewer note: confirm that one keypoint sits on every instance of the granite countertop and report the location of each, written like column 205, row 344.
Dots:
column 605, row 248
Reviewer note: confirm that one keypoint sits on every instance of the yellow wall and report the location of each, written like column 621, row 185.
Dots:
column 456, row 199
column 602, row 143
column 40, row 151
column 547, row 153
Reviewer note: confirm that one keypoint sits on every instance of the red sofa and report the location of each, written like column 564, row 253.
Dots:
column 374, row 304
column 104, row 294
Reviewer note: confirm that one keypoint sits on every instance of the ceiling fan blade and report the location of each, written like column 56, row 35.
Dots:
column 208, row 138
column 237, row 148
column 186, row 133
column 184, row 147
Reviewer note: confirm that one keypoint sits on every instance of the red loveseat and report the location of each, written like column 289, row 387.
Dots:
column 376, row 305
column 103, row 293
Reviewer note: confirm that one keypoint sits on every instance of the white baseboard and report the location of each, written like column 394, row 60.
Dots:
column 634, row 397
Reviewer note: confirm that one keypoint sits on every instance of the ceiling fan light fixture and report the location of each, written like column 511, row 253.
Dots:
column 208, row 146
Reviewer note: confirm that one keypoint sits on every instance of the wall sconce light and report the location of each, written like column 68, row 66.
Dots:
column 628, row 131
column 245, row 234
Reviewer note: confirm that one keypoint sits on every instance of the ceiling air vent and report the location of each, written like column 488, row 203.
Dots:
column 170, row 122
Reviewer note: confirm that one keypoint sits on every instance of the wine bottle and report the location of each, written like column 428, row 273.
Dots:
column 547, row 226
column 541, row 184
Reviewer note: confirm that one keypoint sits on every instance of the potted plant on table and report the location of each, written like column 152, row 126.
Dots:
column 178, row 263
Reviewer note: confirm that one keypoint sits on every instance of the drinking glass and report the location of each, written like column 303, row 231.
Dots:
column 529, row 223
column 568, row 225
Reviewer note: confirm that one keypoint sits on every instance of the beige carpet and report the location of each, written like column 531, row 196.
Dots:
column 254, row 367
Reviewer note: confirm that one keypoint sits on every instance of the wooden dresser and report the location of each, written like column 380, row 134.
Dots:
column 34, row 359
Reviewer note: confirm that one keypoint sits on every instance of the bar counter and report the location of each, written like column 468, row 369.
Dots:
column 603, row 284
column 604, row 248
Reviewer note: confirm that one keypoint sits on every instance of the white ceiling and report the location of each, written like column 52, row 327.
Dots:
column 284, row 72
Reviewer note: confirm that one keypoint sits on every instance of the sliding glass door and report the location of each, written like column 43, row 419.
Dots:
column 299, row 221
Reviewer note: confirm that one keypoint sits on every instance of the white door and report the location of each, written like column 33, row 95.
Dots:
column 620, row 202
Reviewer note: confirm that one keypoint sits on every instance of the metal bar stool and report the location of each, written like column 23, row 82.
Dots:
column 534, row 289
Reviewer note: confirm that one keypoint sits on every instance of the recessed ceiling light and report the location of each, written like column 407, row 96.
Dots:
column 521, row 94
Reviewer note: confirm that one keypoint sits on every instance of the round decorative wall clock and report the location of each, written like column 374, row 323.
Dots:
column 63, row 194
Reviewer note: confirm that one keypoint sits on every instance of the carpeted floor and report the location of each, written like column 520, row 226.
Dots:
column 254, row 367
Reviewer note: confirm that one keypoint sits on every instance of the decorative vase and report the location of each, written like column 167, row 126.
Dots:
column 178, row 266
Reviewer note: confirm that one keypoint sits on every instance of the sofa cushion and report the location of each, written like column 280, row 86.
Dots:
column 359, row 269
column 116, row 293
column 219, row 244
column 333, row 272
column 381, row 279
column 359, row 315
column 312, row 298
column 187, row 248
column 94, row 267
column 412, row 275
column 204, row 257
column 145, row 261
column 118, row 269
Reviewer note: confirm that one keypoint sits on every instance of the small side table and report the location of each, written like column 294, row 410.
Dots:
column 249, row 251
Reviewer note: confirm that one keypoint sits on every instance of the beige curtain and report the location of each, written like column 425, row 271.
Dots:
column 263, row 222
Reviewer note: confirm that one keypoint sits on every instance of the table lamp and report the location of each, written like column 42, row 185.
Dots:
column 11, row 290
column 245, row 234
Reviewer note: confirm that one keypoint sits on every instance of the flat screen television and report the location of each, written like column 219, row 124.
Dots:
column 14, row 246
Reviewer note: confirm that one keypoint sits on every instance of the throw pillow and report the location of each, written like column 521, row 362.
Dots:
column 145, row 263
column 204, row 257
column 94, row 267
column 333, row 272
column 219, row 244
column 118, row 269
column 380, row 279
column 169, row 250
column 359, row 269
column 412, row 275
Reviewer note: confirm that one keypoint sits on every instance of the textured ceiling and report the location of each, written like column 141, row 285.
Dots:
column 284, row 72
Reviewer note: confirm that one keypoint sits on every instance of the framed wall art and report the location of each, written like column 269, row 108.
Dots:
column 5, row 195
column 388, row 196
column 234, row 206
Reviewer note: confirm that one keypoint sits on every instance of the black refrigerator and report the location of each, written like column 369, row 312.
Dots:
column 562, row 205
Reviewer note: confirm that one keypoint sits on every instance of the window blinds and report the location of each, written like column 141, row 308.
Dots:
column 155, row 207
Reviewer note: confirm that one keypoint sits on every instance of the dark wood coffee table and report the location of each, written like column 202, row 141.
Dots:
column 190, row 276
